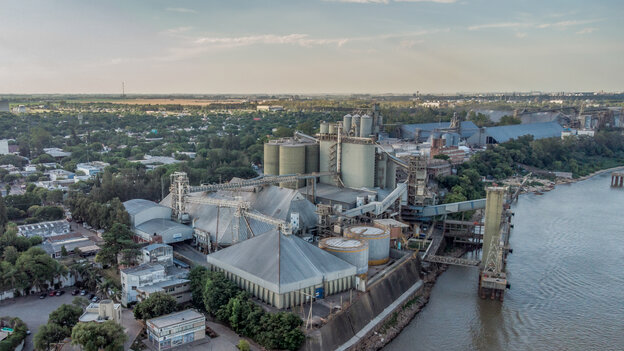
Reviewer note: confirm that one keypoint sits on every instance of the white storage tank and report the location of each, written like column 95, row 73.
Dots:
column 346, row 124
column 366, row 126
column 271, row 159
column 378, row 242
column 355, row 125
column 358, row 165
column 353, row 251
column 324, row 128
column 292, row 160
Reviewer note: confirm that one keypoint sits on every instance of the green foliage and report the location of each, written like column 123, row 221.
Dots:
column 198, row 276
column 107, row 336
column 65, row 316
column 442, row 157
column 98, row 214
column 509, row 120
column 48, row 334
column 156, row 305
column 19, row 333
column 228, row 303
column 35, row 268
column 64, row 251
column 117, row 239
column 243, row 345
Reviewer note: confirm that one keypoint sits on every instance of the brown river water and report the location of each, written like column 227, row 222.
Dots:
column 566, row 275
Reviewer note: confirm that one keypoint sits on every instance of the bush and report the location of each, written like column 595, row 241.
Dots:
column 243, row 345
column 156, row 305
column 19, row 333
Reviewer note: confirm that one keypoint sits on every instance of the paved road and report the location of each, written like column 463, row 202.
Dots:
column 190, row 253
column 33, row 311
column 131, row 326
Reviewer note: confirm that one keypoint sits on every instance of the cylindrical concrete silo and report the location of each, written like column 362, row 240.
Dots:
column 292, row 161
column 366, row 126
column 353, row 251
column 378, row 242
column 312, row 158
column 324, row 128
column 391, row 175
column 355, row 125
column 346, row 124
column 358, row 165
column 271, row 159
column 380, row 175
column 332, row 128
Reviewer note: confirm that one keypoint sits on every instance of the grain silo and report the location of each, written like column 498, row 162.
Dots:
column 391, row 168
column 380, row 175
column 324, row 128
column 346, row 124
column 355, row 125
column 353, row 251
column 366, row 126
column 271, row 159
column 358, row 165
column 311, row 158
column 378, row 242
column 332, row 128
column 292, row 161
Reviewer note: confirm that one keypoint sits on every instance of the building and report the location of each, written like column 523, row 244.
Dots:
column 501, row 134
column 176, row 329
column 91, row 168
column 421, row 132
column 145, row 278
column 56, row 152
column 158, row 253
column 436, row 168
column 54, row 245
column 152, row 223
column 60, row 174
column 4, row 147
column 180, row 289
column 105, row 310
column 44, row 229
column 283, row 270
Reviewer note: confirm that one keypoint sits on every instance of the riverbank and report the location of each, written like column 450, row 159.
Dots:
column 539, row 185
column 392, row 325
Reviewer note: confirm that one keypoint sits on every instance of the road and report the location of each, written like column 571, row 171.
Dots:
column 33, row 311
column 187, row 251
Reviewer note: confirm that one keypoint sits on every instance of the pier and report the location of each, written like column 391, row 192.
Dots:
column 617, row 179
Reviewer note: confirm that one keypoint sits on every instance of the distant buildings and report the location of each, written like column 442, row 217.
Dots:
column 91, row 168
column 268, row 108
column 501, row 134
column 4, row 106
column 44, row 229
column 4, row 147
column 56, row 152
column 176, row 329
column 53, row 245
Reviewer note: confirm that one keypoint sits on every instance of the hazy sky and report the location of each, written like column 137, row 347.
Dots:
column 310, row 46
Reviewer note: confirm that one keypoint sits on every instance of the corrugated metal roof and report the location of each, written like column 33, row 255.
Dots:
column 175, row 318
column 163, row 227
column 467, row 129
column 281, row 263
column 538, row 130
column 135, row 206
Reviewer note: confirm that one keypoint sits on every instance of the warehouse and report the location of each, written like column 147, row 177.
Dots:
column 421, row 132
column 152, row 222
column 282, row 269
column 497, row 135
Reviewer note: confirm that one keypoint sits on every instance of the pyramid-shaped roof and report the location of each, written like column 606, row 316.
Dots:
column 281, row 263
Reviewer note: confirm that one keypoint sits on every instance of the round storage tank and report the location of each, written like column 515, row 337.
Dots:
column 332, row 128
column 312, row 158
column 391, row 175
column 292, row 161
column 378, row 242
column 325, row 164
column 324, row 128
column 366, row 126
column 271, row 159
column 346, row 124
column 355, row 125
column 354, row 251
column 380, row 175
column 358, row 165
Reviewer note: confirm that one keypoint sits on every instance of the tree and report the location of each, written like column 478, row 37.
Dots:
column 64, row 251
column 10, row 254
column 107, row 336
column 116, row 240
column 156, row 305
column 218, row 291
column 48, row 334
column 197, row 276
column 38, row 269
column 65, row 316
column 3, row 214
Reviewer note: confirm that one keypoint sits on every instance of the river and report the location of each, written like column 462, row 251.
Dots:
column 566, row 275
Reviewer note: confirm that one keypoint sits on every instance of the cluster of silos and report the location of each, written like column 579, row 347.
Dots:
column 354, row 251
column 357, row 126
column 288, row 156
column 378, row 241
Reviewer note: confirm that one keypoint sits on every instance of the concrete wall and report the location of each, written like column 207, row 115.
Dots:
column 345, row 325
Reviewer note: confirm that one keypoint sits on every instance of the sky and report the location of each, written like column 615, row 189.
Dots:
column 310, row 46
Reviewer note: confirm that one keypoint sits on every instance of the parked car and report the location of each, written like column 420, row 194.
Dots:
column 75, row 292
column 52, row 293
column 95, row 299
column 43, row 296
column 60, row 292
column 91, row 296
column 83, row 292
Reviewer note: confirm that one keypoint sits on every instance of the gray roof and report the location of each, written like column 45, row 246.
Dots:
column 159, row 286
column 144, row 268
column 175, row 318
column 537, row 130
column 154, row 246
column 163, row 227
column 281, row 263
column 467, row 129
column 135, row 206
